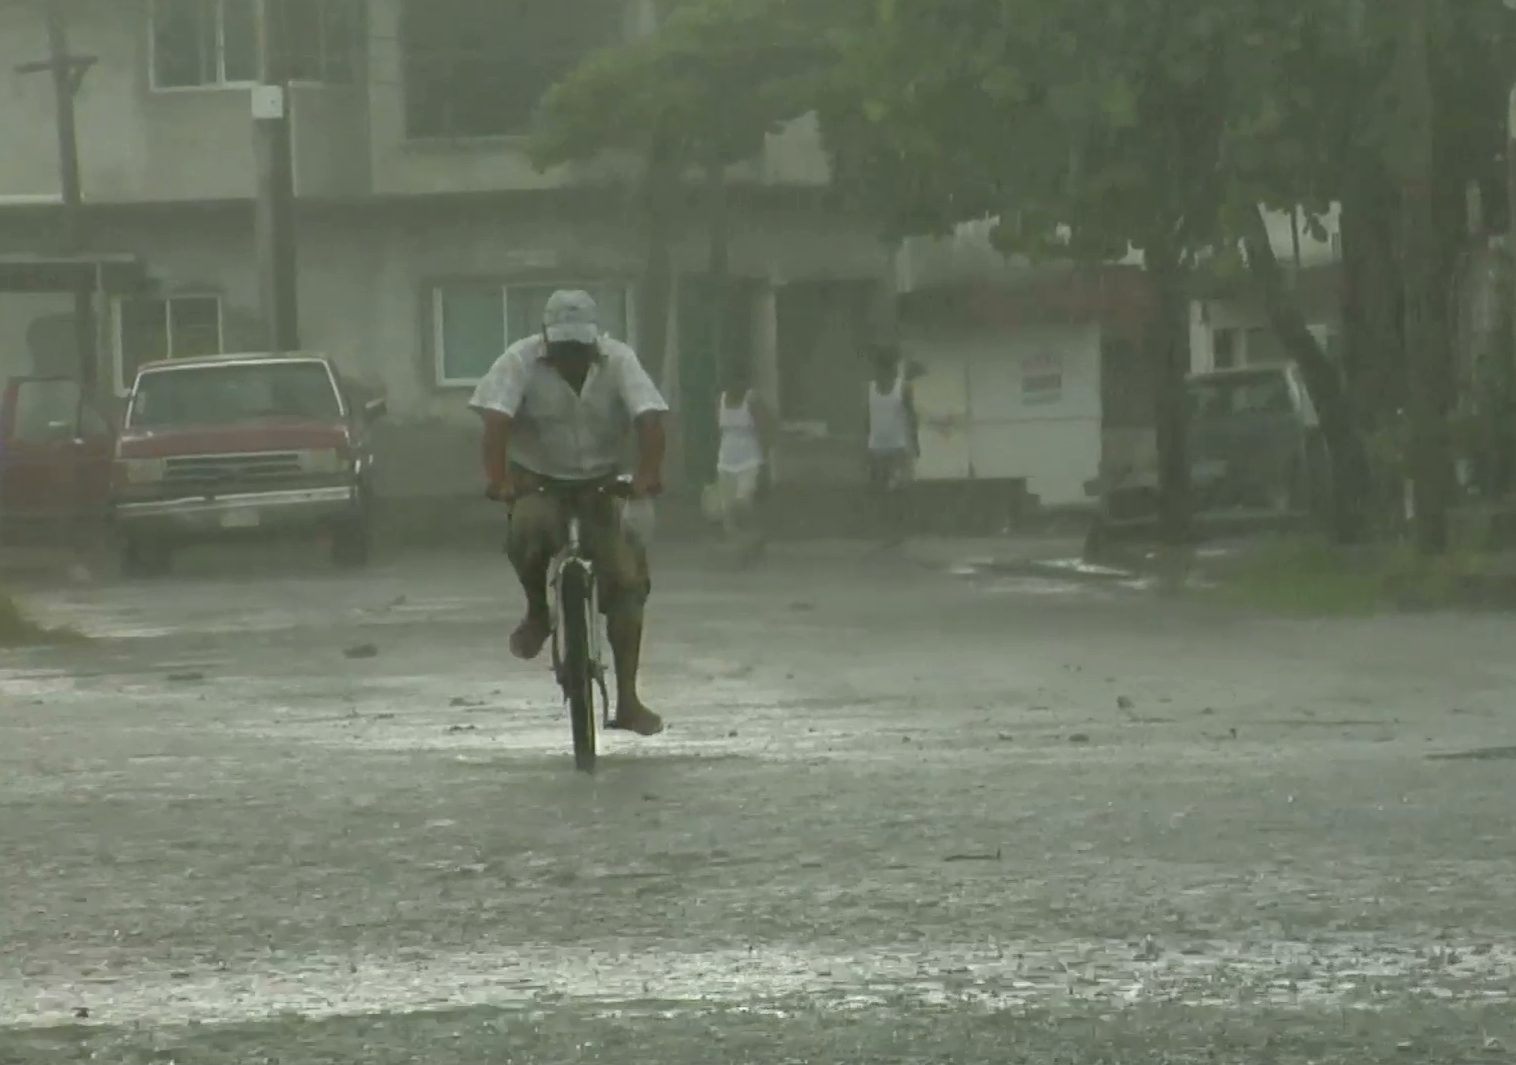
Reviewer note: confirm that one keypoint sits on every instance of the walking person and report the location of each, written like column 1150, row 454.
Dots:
column 893, row 441
column 742, row 463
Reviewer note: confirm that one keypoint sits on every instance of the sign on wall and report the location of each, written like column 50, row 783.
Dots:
column 1041, row 378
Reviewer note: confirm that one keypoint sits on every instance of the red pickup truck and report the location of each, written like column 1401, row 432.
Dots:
column 241, row 446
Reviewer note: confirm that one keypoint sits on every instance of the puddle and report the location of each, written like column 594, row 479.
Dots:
column 1481, row 754
column 1051, row 577
column 1014, row 974
column 31, row 684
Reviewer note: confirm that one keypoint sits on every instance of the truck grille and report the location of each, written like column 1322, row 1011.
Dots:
column 257, row 468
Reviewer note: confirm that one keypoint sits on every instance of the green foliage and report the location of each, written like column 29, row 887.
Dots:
column 1089, row 126
column 1311, row 578
column 1317, row 93
column 707, row 86
column 18, row 629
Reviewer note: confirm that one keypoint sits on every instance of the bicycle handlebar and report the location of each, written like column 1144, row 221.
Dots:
column 617, row 488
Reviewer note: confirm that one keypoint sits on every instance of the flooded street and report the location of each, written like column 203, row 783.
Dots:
column 906, row 810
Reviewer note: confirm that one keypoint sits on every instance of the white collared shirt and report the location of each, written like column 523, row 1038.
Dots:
column 556, row 433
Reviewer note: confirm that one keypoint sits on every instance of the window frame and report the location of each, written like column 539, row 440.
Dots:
column 118, row 352
column 440, row 377
column 223, row 84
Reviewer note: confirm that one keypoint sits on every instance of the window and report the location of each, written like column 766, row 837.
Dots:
column 474, row 322
column 1265, row 393
column 224, row 395
column 323, row 38
column 208, row 43
column 177, row 327
column 48, row 412
column 476, row 69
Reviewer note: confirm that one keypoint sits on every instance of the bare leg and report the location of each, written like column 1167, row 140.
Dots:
column 534, row 523
column 625, row 626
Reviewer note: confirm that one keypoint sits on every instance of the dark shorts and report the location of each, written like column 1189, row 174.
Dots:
column 890, row 470
column 539, row 530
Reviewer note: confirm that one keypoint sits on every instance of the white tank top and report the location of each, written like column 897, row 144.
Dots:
column 889, row 424
column 741, row 450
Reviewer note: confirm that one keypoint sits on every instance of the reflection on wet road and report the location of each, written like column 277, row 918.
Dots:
column 885, row 791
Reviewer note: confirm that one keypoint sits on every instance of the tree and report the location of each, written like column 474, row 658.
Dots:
column 700, row 93
column 1295, row 113
column 1377, row 108
column 1089, row 127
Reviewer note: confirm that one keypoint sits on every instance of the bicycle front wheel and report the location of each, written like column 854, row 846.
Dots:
column 578, row 681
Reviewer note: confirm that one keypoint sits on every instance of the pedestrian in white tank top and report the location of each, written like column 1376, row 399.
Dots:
column 742, row 462
column 893, row 438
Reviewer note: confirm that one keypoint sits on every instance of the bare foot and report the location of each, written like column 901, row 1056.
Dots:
column 634, row 717
column 530, row 637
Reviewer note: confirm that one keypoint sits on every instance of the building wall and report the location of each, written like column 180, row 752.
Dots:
column 403, row 165
column 36, row 333
column 1252, row 342
column 137, row 144
column 365, row 289
column 1019, row 404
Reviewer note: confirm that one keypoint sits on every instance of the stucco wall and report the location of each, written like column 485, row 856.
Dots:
column 36, row 333
column 366, row 278
column 980, row 419
column 1255, row 341
column 141, row 145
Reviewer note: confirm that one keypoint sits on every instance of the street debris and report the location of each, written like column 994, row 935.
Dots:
column 974, row 857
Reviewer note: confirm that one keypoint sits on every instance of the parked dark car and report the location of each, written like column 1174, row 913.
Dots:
column 1255, row 441
column 1255, row 446
column 55, row 462
column 242, row 446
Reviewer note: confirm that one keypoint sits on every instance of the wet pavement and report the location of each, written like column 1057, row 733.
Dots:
column 905, row 812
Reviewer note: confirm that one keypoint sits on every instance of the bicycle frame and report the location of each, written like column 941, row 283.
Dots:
column 573, row 555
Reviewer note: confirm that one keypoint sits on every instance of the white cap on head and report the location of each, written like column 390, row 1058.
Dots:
column 571, row 315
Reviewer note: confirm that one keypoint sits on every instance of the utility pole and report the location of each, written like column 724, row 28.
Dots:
column 276, row 181
column 67, row 71
column 1505, row 460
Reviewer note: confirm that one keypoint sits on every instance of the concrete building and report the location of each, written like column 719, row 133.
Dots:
column 1030, row 387
column 427, row 240
column 1229, row 327
column 1034, row 378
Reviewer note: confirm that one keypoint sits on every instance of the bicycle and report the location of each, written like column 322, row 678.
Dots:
column 574, row 617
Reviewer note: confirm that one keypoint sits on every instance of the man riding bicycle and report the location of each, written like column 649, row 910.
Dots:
column 560, row 408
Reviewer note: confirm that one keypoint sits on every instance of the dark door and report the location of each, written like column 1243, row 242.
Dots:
column 55, row 459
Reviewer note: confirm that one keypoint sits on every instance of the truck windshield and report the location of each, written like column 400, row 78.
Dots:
column 225, row 395
column 1240, row 395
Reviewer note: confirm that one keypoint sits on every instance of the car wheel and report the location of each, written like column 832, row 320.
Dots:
column 352, row 544
column 145, row 558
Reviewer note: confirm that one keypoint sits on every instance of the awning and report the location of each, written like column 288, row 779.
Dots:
column 113, row 273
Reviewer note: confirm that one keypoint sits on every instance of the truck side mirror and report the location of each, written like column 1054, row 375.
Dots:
column 375, row 409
